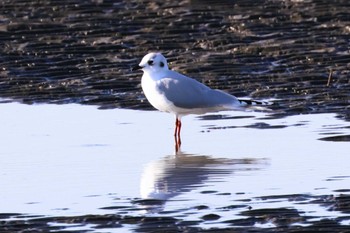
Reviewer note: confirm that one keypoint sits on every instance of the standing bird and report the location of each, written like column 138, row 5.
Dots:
column 170, row 91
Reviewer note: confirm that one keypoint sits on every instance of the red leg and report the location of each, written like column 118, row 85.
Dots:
column 177, row 134
column 179, row 128
column 176, row 127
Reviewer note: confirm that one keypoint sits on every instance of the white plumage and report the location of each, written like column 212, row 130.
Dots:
column 172, row 92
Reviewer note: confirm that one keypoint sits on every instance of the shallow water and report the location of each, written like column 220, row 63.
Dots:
column 71, row 160
column 234, row 170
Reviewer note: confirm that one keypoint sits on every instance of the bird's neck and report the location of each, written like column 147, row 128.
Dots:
column 155, row 74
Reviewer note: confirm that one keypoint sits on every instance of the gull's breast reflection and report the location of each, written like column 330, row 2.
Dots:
column 180, row 173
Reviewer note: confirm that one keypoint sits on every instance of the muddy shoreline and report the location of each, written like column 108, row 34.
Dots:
column 293, row 52
column 274, row 219
column 82, row 52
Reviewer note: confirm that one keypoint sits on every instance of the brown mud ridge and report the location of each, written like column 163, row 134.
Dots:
column 279, row 219
column 81, row 51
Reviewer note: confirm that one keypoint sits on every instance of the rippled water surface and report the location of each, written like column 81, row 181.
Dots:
column 71, row 160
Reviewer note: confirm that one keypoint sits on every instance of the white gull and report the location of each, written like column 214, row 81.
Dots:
column 170, row 91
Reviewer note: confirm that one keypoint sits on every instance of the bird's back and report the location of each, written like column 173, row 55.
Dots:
column 189, row 94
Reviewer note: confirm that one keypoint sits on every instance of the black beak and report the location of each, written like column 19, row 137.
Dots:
column 137, row 67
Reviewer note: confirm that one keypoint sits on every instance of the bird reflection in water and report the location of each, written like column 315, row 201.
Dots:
column 176, row 174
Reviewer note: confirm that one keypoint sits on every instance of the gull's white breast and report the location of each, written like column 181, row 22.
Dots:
column 153, row 94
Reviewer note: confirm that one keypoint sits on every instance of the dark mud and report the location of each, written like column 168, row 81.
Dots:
column 82, row 51
column 274, row 219
column 296, row 52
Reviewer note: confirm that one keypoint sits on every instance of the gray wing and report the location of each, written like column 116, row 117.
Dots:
column 188, row 93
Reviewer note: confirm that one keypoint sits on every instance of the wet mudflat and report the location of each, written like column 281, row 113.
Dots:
column 82, row 51
column 72, row 167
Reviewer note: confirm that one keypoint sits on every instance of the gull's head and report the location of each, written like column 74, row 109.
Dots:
column 152, row 62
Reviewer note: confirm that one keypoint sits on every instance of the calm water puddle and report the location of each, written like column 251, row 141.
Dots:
column 66, row 160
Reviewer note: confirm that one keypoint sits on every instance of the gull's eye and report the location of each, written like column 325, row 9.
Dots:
column 150, row 62
column 161, row 64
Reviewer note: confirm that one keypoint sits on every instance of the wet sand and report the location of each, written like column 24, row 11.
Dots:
column 293, row 52
column 82, row 52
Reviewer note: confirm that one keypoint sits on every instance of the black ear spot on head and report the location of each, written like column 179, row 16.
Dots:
column 150, row 62
column 161, row 64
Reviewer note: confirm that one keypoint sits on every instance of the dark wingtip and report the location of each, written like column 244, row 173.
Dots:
column 253, row 102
